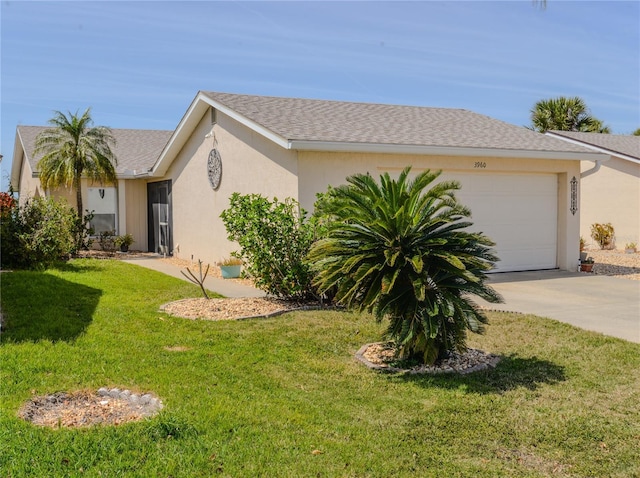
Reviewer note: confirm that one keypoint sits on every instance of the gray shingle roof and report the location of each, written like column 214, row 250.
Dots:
column 615, row 143
column 296, row 119
column 135, row 149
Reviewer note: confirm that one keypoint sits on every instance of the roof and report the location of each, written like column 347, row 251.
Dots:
column 136, row 149
column 323, row 125
column 296, row 120
column 624, row 146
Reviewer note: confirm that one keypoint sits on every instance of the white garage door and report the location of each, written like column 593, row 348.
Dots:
column 518, row 212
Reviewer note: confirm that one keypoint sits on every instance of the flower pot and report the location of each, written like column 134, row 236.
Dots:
column 230, row 272
column 586, row 267
column 630, row 251
column 124, row 248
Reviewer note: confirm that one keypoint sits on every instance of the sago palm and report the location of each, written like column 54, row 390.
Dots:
column 401, row 250
column 72, row 149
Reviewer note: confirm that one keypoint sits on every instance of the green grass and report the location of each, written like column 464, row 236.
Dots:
column 285, row 397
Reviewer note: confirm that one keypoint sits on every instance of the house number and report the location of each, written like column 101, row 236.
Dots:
column 480, row 164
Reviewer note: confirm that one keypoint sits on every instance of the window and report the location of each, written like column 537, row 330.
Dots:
column 103, row 203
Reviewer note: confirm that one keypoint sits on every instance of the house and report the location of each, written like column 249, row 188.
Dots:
column 610, row 192
column 521, row 186
column 116, row 206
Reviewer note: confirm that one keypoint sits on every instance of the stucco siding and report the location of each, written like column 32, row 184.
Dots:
column 250, row 164
column 612, row 195
column 317, row 170
column 28, row 186
column 133, row 193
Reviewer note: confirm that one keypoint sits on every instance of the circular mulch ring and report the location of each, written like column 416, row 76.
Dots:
column 381, row 356
column 87, row 408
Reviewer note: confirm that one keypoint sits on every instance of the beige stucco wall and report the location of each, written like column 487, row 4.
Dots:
column 29, row 186
column 132, row 208
column 318, row 169
column 612, row 195
column 250, row 164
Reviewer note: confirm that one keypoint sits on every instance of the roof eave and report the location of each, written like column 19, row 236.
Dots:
column 199, row 106
column 600, row 149
column 325, row 146
column 16, row 166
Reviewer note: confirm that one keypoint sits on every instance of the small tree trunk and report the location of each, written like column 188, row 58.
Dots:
column 78, row 187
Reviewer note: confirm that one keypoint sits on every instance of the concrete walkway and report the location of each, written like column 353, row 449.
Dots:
column 227, row 288
column 604, row 304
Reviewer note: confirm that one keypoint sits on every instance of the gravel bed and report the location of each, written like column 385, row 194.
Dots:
column 615, row 263
column 229, row 309
column 86, row 408
column 381, row 356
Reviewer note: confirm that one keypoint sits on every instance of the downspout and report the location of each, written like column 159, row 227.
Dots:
column 591, row 171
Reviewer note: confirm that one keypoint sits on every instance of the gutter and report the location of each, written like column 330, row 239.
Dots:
column 591, row 171
column 604, row 154
column 327, row 146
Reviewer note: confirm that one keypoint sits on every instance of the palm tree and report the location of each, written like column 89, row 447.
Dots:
column 72, row 149
column 400, row 250
column 565, row 114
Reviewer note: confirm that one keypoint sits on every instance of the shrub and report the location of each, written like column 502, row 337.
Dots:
column 36, row 234
column 274, row 239
column 107, row 241
column 603, row 234
column 399, row 249
column 83, row 232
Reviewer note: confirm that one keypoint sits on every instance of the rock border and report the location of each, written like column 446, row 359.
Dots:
column 481, row 361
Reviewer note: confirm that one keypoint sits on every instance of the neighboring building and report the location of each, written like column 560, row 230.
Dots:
column 117, row 207
column 518, row 183
column 610, row 192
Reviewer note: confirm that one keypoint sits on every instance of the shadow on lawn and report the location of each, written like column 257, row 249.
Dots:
column 511, row 373
column 39, row 306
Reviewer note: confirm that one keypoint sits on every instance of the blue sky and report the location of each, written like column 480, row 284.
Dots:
column 139, row 64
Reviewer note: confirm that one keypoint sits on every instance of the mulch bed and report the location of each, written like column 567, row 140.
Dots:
column 83, row 409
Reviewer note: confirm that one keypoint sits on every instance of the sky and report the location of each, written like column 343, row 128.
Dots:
column 140, row 64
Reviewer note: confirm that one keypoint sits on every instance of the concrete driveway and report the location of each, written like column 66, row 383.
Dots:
column 604, row 304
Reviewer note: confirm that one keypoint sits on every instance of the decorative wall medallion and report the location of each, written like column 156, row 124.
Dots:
column 214, row 168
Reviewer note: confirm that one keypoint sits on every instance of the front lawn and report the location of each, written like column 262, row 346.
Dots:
column 285, row 397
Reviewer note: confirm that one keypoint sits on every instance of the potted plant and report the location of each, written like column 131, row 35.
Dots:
column 630, row 248
column 230, row 267
column 583, row 253
column 123, row 242
column 587, row 265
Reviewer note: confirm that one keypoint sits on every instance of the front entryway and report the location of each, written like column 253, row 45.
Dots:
column 159, row 214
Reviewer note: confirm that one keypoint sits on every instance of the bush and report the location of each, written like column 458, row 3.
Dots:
column 274, row 239
column 400, row 249
column 36, row 234
column 603, row 234
column 107, row 241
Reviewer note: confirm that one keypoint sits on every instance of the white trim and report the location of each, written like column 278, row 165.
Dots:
column 441, row 150
column 279, row 140
column 121, row 210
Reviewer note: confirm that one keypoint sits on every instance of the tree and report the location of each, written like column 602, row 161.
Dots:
column 636, row 132
column 565, row 114
column 401, row 251
column 72, row 148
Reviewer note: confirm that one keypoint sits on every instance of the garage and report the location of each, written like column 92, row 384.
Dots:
column 519, row 212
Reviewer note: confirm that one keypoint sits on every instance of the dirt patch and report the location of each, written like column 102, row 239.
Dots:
column 87, row 408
